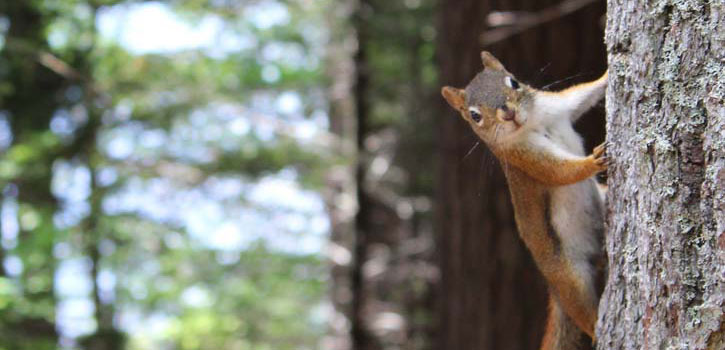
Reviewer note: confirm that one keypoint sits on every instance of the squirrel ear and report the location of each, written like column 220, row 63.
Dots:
column 455, row 97
column 491, row 62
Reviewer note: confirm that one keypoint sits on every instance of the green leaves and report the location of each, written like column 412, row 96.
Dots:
column 135, row 145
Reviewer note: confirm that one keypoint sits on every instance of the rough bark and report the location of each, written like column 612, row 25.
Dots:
column 666, row 134
column 492, row 295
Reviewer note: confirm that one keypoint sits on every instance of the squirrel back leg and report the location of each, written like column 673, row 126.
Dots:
column 561, row 332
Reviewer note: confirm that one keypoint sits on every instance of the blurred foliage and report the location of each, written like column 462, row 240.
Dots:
column 117, row 165
column 401, row 47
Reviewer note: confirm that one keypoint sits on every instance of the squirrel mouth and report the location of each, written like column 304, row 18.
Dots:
column 509, row 115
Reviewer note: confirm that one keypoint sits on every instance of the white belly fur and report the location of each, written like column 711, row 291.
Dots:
column 576, row 209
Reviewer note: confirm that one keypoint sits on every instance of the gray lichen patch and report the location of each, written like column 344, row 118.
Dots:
column 666, row 125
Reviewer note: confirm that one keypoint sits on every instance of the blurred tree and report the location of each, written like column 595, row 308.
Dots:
column 392, row 254
column 129, row 176
column 28, row 316
column 491, row 295
column 115, row 162
column 340, row 192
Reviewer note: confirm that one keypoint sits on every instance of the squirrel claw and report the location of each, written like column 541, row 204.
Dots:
column 602, row 161
column 600, row 150
column 599, row 156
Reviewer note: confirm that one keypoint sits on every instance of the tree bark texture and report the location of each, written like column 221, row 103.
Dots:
column 491, row 293
column 666, row 205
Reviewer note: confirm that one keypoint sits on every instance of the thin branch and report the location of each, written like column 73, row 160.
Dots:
column 517, row 22
column 61, row 68
column 46, row 59
column 57, row 66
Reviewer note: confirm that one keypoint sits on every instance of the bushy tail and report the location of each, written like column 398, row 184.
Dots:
column 561, row 332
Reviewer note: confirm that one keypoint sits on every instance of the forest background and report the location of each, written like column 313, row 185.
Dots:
column 267, row 174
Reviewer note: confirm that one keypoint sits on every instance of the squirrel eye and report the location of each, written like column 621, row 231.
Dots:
column 475, row 114
column 512, row 83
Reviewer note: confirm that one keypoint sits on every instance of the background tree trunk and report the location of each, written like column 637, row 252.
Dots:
column 340, row 193
column 491, row 293
column 391, row 270
column 666, row 127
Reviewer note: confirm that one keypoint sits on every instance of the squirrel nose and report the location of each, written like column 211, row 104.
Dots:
column 508, row 113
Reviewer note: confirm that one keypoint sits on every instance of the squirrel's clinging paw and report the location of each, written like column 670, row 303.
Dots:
column 599, row 154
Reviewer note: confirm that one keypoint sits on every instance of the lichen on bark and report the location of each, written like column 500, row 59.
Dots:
column 666, row 134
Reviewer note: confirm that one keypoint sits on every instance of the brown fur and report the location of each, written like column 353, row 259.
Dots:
column 527, row 195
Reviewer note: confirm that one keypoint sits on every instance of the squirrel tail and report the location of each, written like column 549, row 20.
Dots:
column 561, row 332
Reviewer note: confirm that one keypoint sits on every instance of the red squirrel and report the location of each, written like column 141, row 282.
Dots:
column 558, row 208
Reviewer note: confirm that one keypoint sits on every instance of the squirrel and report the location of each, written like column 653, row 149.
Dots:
column 557, row 205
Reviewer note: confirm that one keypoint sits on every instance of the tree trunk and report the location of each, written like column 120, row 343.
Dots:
column 392, row 269
column 340, row 191
column 492, row 295
column 666, row 133
column 362, row 337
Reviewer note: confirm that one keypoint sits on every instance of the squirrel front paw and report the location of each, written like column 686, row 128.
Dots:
column 599, row 157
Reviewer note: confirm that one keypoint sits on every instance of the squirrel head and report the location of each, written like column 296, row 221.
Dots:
column 494, row 102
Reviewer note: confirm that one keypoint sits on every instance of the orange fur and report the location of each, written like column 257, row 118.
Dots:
column 578, row 87
column 527, row 195
column 551, row 170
